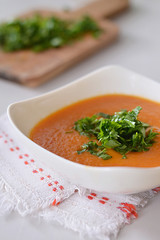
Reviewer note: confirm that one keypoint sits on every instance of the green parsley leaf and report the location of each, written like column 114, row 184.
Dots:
column 122, row 132
column 88, row 126
column 94, row 149
column 38, row 33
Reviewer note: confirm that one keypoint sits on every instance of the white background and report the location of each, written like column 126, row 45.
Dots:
column 137, row 48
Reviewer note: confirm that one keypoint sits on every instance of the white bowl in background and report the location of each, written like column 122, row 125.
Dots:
column 26, row 114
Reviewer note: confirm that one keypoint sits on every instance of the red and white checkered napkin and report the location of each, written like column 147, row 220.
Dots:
column 31, row 188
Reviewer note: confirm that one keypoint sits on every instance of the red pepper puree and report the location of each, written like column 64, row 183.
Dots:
column 50, row 133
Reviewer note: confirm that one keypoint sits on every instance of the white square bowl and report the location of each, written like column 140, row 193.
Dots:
column 26, row 114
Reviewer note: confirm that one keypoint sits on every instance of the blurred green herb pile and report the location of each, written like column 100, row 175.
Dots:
column 38, row 33
column 122, row 132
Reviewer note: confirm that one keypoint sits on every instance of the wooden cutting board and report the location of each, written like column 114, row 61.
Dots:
column 33, row 69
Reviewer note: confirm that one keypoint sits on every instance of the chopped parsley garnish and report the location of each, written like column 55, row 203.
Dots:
column 95, row 149
column 38, row 33
column 122, row 132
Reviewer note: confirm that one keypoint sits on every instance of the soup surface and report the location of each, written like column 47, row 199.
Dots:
column 55, row 132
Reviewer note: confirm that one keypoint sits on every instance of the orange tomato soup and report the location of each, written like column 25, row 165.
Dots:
column 50, row 133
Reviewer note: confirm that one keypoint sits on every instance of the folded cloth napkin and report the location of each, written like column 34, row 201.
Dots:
column 31, row 188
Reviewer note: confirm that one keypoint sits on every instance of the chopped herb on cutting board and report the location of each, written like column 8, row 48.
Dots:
column 38, row 33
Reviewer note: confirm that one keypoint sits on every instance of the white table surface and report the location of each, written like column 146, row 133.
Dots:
column 137, row 48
